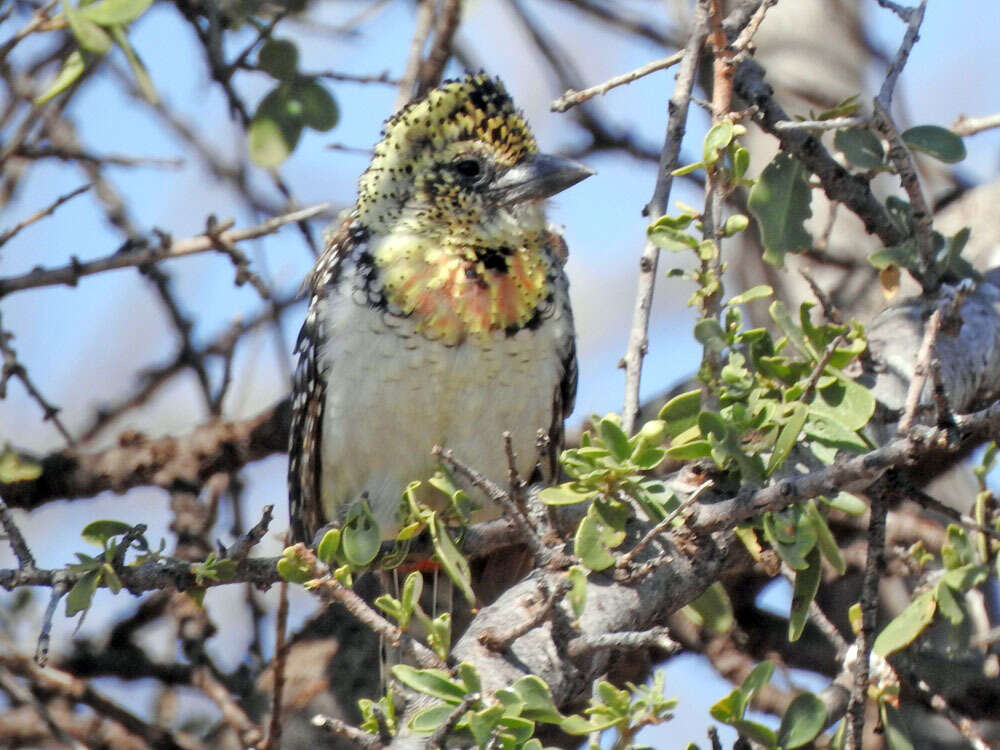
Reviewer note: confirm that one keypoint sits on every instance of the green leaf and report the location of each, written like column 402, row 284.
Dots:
column 454, row 564
column 681, row 412
column 469, row 675
column 592, row 541
column 845, row 402
column 861, row 146
column 824, row 537
column 896, row 736
column 741, row 162
column 958, row 551
column 279, row 58
column 690, row 451
column 756, row 732
column 114, row 12
column 688, row 169
column 788, row 437
column 329, row 547
column 904, row 254
column 99, row 532
column 803, row 721
column 434, row 682
column 803, row 593
column 823, row 429
column 292, row 568
column 271, row 141
column 670, row 238
column 360, row 537
column 757, row 292
column 734, row 225
column 568, row 493
column 538, row 703
column 780, row 315
column 319, row 109
column 847, row 503
column 759, row 676
column 729, row 709
column 82, row 593
column 577, row 594
column 718, row 137
column 90, row 36
column 935, row 141
column 712, row 610
column 110, row 579
column 429, row 719
column 614, row 438
column 709, row 334
column 17, row 467
column 72, row 68
column 482, row 723
column 948, row 605
column 906, row 626
column 780, row 201
column 142, row 78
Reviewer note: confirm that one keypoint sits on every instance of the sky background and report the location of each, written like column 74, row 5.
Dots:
column 84, row 345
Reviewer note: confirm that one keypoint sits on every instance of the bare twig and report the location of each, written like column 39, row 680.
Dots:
column 499, row 641
column 625, row 560
column 498, row 496
column 12, row 368
column 834, row 123
column 273, row 739
column 48, row 211
column 638, row 335
column 198, row 244
column 440, row 734
column 241, row 548
column 572, row 98
column 820, row 368
column 59, row 588
column 920, row 371
column 341, row 728
column 971, row 125
column 421, row 31
column 869, row 610
column 658, row 638
column 445, row 26
column 232, row 714
column 15, row 538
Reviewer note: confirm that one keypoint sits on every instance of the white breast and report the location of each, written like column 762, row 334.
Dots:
column 392, row 395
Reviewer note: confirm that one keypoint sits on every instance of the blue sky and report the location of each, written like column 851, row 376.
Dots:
column 83, row 345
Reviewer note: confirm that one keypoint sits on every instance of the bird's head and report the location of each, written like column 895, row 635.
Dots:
column 462, row 161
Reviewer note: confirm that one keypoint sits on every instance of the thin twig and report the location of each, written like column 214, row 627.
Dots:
column 445, row 27
column 25, row 560
column 273, row 739
column 341, row 728
column 920, row 372
column 499, row 641
column 59, row 588
column 834, row 123
column 239, row 550
column 498, row 496
column 638, row 341
column 440, row 734
column 829, row 309
column 232, row 714
column 971, row 125
column 72, row 273
column 571, row 98
column 625, row 560
column 820, row 368
column 12, row 368
column 48, row 211
column 658, row 638
column 421, row 31
column 869, row 610
column 965, row 726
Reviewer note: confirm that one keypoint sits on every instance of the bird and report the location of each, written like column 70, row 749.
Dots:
column 438, row 314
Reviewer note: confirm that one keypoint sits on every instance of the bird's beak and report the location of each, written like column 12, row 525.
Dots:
column 537, row 177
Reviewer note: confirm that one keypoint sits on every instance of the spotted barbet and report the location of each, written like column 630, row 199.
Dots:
column 439, row 313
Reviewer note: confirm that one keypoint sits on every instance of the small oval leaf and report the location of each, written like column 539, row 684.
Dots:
column 935, row 141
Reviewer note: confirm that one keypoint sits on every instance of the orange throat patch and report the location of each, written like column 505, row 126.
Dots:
column 454, row 293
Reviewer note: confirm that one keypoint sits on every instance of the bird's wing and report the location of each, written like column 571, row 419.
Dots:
column 305, row 506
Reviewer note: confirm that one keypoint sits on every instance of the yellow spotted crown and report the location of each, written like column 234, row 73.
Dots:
column 471, row 114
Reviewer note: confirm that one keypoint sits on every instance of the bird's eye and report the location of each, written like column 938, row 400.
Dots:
column 469, row 168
